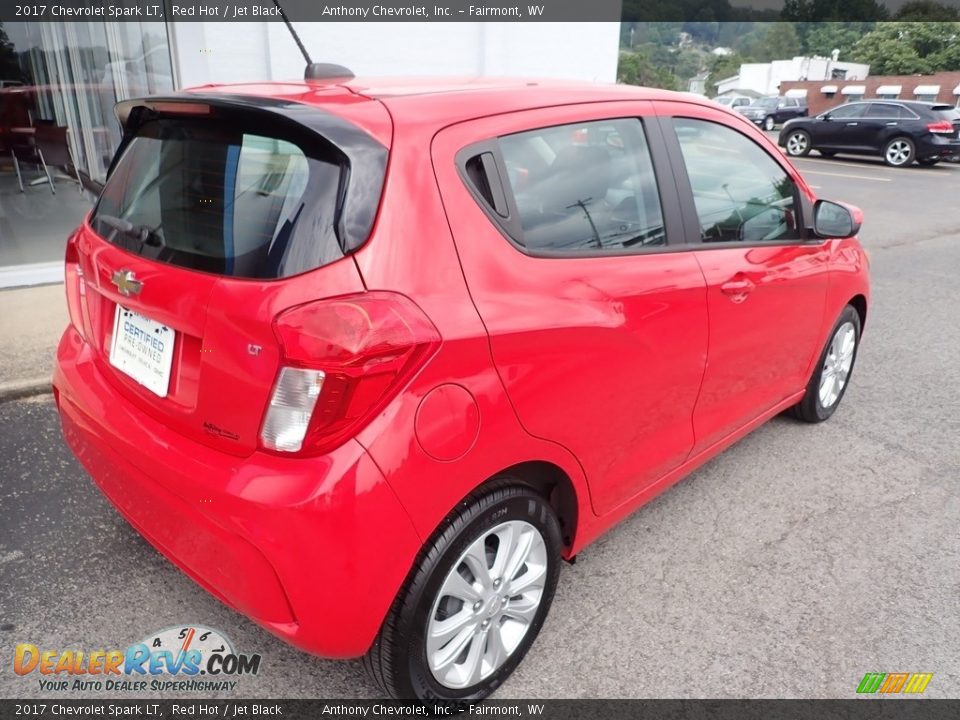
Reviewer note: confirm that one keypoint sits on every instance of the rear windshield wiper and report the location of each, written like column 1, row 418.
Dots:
column 143, row 234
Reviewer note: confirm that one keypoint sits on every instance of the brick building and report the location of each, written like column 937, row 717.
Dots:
column 822, row 95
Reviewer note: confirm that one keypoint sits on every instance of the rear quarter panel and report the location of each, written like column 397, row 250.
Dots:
column 412, row 252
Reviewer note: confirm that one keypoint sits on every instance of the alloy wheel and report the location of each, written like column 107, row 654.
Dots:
column 837, row 364
column 797, row 144
column 486, row 604
column 769, row 124
column 899, row 152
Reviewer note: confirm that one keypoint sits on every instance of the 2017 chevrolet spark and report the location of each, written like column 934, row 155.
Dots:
column 368, row 360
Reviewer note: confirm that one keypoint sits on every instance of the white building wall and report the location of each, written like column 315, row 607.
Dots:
column 765, row 78
column 212, row 52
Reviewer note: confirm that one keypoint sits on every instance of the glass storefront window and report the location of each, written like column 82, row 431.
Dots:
column 58, row 85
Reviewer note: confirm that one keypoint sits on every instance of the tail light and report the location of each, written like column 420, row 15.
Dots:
column 74, row 284
column 343, row 360
column 942, row 127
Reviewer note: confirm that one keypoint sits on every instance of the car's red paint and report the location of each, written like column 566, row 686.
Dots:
column 681, row 365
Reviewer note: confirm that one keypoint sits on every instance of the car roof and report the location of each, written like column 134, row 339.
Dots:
column 444, row 101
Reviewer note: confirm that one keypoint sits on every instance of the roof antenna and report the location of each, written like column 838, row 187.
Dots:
column 314, row 71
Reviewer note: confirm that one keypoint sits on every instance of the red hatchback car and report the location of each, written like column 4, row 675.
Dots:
column 368, row 360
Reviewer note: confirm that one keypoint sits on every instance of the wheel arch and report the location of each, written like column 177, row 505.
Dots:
column 553, row 482
column 859, row 303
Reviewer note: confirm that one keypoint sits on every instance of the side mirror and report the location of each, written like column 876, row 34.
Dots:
column 825, row 116
column 834, row 220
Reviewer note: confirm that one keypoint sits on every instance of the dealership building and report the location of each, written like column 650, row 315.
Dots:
column 59, row 82
column 942, row 87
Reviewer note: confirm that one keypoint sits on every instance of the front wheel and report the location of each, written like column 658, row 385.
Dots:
column 833, row 370
column 769, row 123
column 475, row 600
column 899, row 152
column 798, row 143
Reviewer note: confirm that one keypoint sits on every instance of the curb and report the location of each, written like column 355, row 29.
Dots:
column 18, row 389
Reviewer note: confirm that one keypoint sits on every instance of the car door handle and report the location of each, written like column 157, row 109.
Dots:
column 741, row 286
column 851, row 124
column 893, row 123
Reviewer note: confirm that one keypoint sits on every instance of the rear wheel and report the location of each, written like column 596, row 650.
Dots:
column 769, row 123
column 798, row 143
column 833, row 370
column 899, row 152
column 475, row 600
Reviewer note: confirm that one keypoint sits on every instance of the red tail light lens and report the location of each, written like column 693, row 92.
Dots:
column 73, row 284
column 942, row 127
column 366, row 347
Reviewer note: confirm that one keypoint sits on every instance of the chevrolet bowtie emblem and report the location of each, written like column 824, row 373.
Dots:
column 127, row 283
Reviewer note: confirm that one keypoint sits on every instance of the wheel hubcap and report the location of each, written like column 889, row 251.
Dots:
column 898, row 153
column 796, row 144
column 486, row 604
column 837, row 364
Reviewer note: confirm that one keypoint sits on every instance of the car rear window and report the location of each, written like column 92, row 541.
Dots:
column 947, row 112
column 223, row 198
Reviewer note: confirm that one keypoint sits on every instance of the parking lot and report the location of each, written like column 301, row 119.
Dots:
column 802, row 558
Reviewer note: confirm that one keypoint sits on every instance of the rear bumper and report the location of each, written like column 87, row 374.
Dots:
column 313, row 550
column 938, row 147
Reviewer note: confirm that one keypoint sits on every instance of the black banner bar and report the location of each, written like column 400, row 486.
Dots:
column 193, row 709
column 312, row 10
column 628, row 11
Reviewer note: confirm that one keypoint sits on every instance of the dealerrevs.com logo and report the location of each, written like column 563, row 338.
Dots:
column 187, row 658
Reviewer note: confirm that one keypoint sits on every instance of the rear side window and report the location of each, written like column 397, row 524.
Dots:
column 741, row 193
column 221, row 198
column 585, row 186
column 888, row 111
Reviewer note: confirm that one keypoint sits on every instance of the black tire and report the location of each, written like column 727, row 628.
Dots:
column 801, row 148
column 810, row 408
column 397, row 662
column 929, row 162
column 910, row 154
column 769, row 123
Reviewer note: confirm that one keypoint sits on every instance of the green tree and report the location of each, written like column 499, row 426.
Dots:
column 809, row 11
column 900, row 48
column 926, row 11
column 721, row 68
column 781, row 41
column 823, row 38
column 9, row 63
column 636, row 68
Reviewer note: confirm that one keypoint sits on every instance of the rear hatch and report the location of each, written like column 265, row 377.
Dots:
column 220, row 213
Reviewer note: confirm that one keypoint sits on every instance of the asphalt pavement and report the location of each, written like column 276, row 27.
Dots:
column 802, row 558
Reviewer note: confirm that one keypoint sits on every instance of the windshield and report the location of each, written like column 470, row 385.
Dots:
column 223, row 198
column 767, row 102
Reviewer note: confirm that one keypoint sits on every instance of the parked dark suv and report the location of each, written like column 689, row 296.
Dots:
column 900, row 132
column 769, row 112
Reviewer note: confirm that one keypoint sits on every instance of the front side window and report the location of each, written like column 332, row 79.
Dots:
column 741, row 193
column 585, row 186
column 847, row 112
